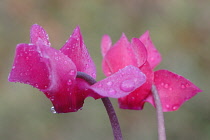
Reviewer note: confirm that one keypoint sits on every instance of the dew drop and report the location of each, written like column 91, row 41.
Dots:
column 170, row 89
column 175, row 107
column 36, row 85
column 69, row 82
column 112, row 91
column 53, row 110
column 166, row 85
column 72, row 72
column 183, row 86
column 168, row 106
column 27, row 58
column 127, row 85
column 109, row 83
column 162, row 84
column 13, row 67
column 93, row 75
column 99, row 85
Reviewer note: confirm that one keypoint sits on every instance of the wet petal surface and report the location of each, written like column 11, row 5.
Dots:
column 120, row 83
column 173, row 90
column 76, row 50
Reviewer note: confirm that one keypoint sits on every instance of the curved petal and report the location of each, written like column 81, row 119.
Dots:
column 136, row 99
column 154, row 57
column 120, row 83
column 173, row 90
column 122, row 54
column 29, row 67
column 38, row 33
column 106, row 44
column 50, row 71
column 77, row 51
column 139, row 51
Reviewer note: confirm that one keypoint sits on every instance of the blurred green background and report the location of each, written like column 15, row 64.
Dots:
column 179, row 29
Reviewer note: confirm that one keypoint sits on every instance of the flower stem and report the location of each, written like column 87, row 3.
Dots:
column 160, row 116
column 108, row 105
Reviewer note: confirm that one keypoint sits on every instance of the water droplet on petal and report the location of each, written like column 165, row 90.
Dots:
column 53, row 110
column 168, row 106
column 174, row 107
column 109, row 83
column 162, row 84
column 69, row 82
column 112, row 91
column 72, row 72
column 127, row 85
column 183, row 86
column 13, row 67
column 27, row 58
column 36, row 85
column 166, row 86
column 170, row 89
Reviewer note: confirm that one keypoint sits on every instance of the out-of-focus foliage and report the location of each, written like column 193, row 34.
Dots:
column 179, row 29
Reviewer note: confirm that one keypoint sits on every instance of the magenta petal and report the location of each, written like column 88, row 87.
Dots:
column 136, row 99
column 106, row 44
column 29, row 67
column 48, row 70
column 139, row 51
column 173, row 89
column 77, row 51
column 154, row 57
column 38, row 33
column 119, row 56
column 120, row 83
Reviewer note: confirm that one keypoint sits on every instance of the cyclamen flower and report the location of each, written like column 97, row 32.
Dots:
column 54, row 72
column 173, row 89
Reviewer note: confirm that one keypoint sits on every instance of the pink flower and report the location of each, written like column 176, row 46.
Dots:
column 173, row 89
column 54, row 72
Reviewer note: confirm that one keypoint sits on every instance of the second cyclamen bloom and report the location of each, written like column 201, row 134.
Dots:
column 173, row 89
column 54, row 72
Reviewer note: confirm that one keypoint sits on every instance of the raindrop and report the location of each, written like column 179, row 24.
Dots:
column 127, row 86
column 112, row 91
column 166, row 86
column 168, row 106
column 69, row 82
column 36, row 85
column 170, row 89
column 99, row 85
column 53, row 110
column 183, row 86
column 162, row 84
column 175, row 107
column 27, row 58
column 13, row 67
column 93, row 75
column 72, row 72
column 109, row 83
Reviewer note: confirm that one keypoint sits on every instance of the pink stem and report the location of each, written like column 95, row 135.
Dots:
column 160, row 116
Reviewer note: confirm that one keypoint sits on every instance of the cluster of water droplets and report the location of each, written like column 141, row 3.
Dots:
column 53, row 110
column 128, row 85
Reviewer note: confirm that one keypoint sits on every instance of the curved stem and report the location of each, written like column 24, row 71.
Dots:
column 108, row 105
column 160, row 116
